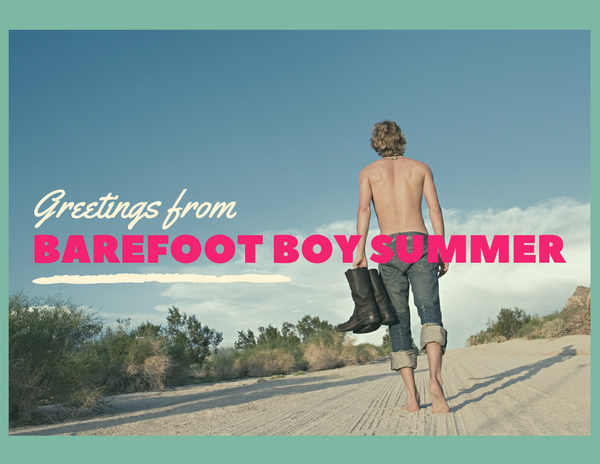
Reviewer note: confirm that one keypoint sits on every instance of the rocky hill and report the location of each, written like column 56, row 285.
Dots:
column 574, row 319
column 577, row 312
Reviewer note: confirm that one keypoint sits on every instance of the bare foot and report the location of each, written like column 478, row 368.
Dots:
column 413, row 405
column 438, row 401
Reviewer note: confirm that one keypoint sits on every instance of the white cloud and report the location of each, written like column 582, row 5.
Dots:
column 470, row 293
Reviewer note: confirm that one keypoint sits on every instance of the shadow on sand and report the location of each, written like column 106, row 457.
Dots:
column 506, row 379
column 199, row 401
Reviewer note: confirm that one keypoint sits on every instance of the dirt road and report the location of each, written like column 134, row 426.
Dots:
column 519, row 387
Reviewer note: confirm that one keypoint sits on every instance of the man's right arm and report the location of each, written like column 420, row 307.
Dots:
column 435, row 213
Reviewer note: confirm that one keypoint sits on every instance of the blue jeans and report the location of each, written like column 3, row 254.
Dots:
column 398, row 277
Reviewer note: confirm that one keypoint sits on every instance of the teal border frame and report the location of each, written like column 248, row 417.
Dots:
column 285, row 14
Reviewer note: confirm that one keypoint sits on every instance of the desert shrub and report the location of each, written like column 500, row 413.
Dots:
column 386, row 344
column 62, row 360
column 149, row 374
column 551, row 317
column 365, row 353
column 188, row 341
column 272, row 351
column 571, row 320
column 329, row 350
column 508, row 323
column 270, row 337
column 147, row 329
column 222, row 363
column 554, row 328
column 245, row 341
column 263, row 363
column 578, row 319
column 127, row 360
column 484, row 337
column 309, row 326
column 147, row 364
column 46, row 339
column 533, row 329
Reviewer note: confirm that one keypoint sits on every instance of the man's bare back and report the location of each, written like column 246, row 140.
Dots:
column 397, row 188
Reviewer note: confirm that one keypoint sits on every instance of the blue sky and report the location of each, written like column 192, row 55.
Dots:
column 279, row 122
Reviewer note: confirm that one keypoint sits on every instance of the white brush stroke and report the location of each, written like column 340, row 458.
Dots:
column 162, row 278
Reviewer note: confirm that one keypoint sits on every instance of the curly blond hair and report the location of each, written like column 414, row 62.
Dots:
column 387, row 139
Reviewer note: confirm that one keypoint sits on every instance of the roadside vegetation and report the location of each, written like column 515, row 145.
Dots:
column 516, row 323
column 308, row 345
column 65, row 362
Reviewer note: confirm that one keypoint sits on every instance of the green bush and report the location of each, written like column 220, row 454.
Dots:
column 533, row 329
column 222, row 363
column 130, row 360
column 245, row 341
column 517, row 323
column 187, row 340
column 309, row 326
column 292, row 339
column 386, row 344
column 509, row 322
column 309, row 343
column 60, row 353
column 47, row 337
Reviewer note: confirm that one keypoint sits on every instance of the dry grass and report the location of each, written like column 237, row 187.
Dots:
column 155, row 371
column 330, row 352
column 83, row 403
column 578, row 321
column 265, row 363
column 25, row 389
column 149, row 374
column 222, row 364
column 365, row 353
column 484, row 337
column 554, row 328
column 87, row 402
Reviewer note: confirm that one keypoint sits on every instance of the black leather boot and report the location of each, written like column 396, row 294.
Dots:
column 366, row 311
column 388, row 315
column 367, row 328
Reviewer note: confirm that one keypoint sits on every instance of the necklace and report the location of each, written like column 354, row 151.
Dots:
column 394, row 157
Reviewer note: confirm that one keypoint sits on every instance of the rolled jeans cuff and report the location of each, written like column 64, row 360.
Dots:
column 402, row 359
column 433, row 333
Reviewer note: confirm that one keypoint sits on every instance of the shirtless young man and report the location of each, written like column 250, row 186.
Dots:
column 396, row 186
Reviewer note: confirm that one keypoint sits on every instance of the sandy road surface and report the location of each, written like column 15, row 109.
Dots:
column 518, row 387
